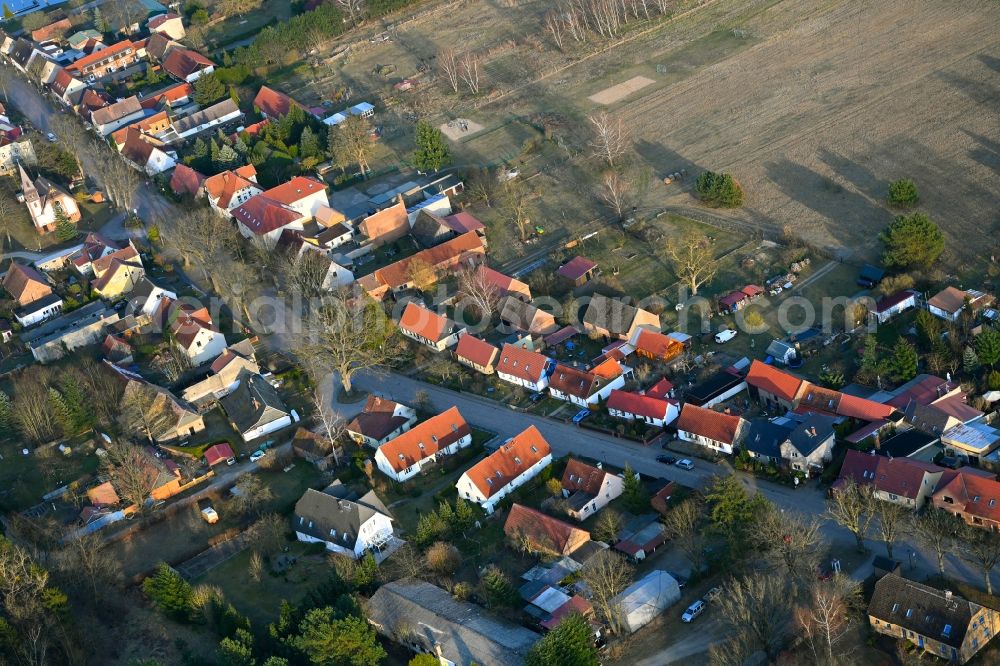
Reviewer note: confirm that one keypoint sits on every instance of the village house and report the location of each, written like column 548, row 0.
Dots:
column 936, row 621
column 273, row 104
column 192, row 331
column 109, row 118
column 656, row 412
column 14, row 153
column 24, row 284
column 106, row 61
column 150, row 125
column 948, row 303
column 971, row 494
column 203, row 121
column 260, row 217
column 38, row 311
column 525, row 368
column 164, row 417
column 465, row 251
column 588, row 489
column 235, row 364
column 655, row 346
column 174, row 96
column 614, row 318
column 94, row 247
column 773, row 389
column 520, row 315
column 169, row 24
column 230, row 189
column 116, row 276
column 387, row 225
column 428, row 620
column 517, row 461
column 477, row 354
column 809, row 445
column 345, row 526
column 380, row 420
column 147, row 153
column 584, row 388
column 147, row 298
column 543, row 533
column 502, row 284
column 714, row 430
column 255, row 409
column 578, row 271
column 928, row 418
column 303, row 195
column 902, row 481
column 186, row 64
column 429, row 328
column 889, row 306
column 402, row 457
column 46, row 202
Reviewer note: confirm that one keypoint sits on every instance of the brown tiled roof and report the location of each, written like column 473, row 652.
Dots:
column 476, row 351
column 425, row 439
column 386, row 221
column 657, row 344
column 707, row 423
column 576, row 268
column 273, row 103
column 138, row 147
column 157, row 21
column 572, row 381
column 186, row 180
column 296, row 189
column 19, row 276
column 462, row 222
column 422, row 322
column 919, row 608
column 521, row 363
column 579, row 476
column 544, row 532
column 376, row 419
column 949, row 299
column 116, row 111
column 768, row 378
column 182, row 62
column 262, row 215
column 975, row 494
column 145, row 125
column 55, row 29
column 516, row 455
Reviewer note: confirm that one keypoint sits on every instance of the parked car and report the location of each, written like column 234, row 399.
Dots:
column 536, row 397
column 51, row 137
column 725, row 336
column 581, row 415
column 685, row 464
column 713, row 594
column 666, row 460
column 256, row 455
column 682, row 581
column 693, row 611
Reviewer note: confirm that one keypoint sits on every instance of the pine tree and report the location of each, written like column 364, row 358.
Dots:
column 446, row 513
column 213, row 152
column 208, row 89
column 970, row 361
column 8, row 425
column 464, row 515
column 432, row 150
column 635, row 495
column 571, row 643
column 904, row 360
column 65, row 229
column 62, row 412
column 988, row 347
column 237, row 650
column 497, row 588
column 76, row 402
column 169, row 591
column 309, row 144
column 240, row 146
column 99, row 23
column 226, row 158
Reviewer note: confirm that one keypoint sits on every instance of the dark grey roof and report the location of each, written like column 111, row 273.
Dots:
column 205, row 116
column 764, row 438
column 922, row 609
column 905, row 443
column 253, row 403
column 780, row 348
column 927, row 418
column 77, row 319
column 329, row 517
column 40, row 304
column 612, row 314
column 430, row 230
column 712, row 387
column 811, row 432
column 413, row 611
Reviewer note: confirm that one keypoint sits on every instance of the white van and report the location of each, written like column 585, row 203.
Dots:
column 725, row 336
column 693, row 611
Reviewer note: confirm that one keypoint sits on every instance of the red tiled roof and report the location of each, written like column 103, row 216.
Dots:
column 223, row 186
column 752, row 290
column 425, row 439
column 887, row 302
column 609, row 367
column 576, row 268
column 657, row 344
column 157, row 21
column 896, row 476
column 862, row 408
column 126, row 254
column 296, row 189
column 660, row 389
column 956, row 406
column 252, row 130
column 979, row 494
column 101, row 55
column 576, row 604
column 182, row 62
column 273, row 103
column 439, row 257
column 925, row 390
column 185, row 180
column 55, row 29
column 423, row 322
column 462, row 222
column 522, row 363
column 707, row 423
column 476, row 351
column 61, row 82
column 732, row 298
column 818, row 399
column 503, row 283
column 137, row 147
column 583, row 477
column 571, row 381
column 218, row 453
column 640, row 405
column 542, row 531
column 262, row 215
column 144, row 125
column 172, row 94
column 521, row 452
column 768, row 378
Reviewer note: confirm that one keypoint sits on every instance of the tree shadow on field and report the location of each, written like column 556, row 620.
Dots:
column 842, row 207
column 980, row 92
column 987, row 152
column 990, row 61
column 858, row 174
column 663, row 160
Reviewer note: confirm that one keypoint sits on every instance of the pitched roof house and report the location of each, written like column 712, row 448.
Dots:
column 523, row 316
column 235, row 364
column 950, row 301
column 902, row 481
column 653, row 411
column 614, row 318
column 109, row 118
column 581, row 387
column 972, row 494
column 205, row 120
column 503, row 284
column 264, row 218
column 162, row 416
column 186, row 180
column 387, row 225
column 192, row 331
column 255, row 409
column 524, row 367
column 588, row 489
column 380, row 420
column 45, row 201
column 654, row 345
column 271, row 103
column 146, row 153
column 428, row 327
column 518, row 460
column 303, row 195
column 347, row 527
column 715, row 430
column 466, row 250
column 404, row 456
column 542, row 532
column 427, row 619
column 939, row 621
column 186, row 64
column 477, row 354
column 25, row 284
column 774, row 389
column 577, row 271
column 231, row 188
column 169, row 24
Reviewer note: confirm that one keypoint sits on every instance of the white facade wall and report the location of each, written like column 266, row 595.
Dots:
column 470, row 491
column 713, row 444
column 382, row 462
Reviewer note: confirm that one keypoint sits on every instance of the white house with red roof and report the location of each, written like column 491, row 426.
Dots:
column 714, row 430
column 652, row 411
column 428, row 327
column 584, row 388
column 588, row 489
column 193, row 332
column 476, row 354
column 263, row 218
column 231, row 188
column 403, row 457
column 303, row 195
column 903, row 481
column 517, row 461
column 523, row 367
column 972, row 494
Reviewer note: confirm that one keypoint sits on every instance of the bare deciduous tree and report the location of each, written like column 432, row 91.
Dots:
column 616, row 192
column 477, row 290
column 826, row 612
column 937, row 530
column 84, row 564
column 891, row 517
column 692, row 259
column 131, row 473
column 758, row 604
column 239, row 7
column 348, row 334
column 513, row 202
column 351, row 143
column 353, row 8
column 980, row 547
column 447, row 60
column 268, row 534
column 304, row 272
column 606, row 575
column 681, row 525
column 120, row 181
column 850, row 506
column 789, row 541
column 469, row 71
column 251, row 494
column 443, row 558
column 32, row 408
column 554, row 24
column 609, row 524
column 331, row 425
column 611, row 140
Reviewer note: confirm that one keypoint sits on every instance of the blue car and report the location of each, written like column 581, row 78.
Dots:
column 581, row 415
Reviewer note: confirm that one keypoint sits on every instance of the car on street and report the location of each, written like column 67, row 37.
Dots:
column 725, row 336
column 51, row 137
column 581, row 415
column 693, row 611
column 666, row 460
column 685, row 464
column 256, row 455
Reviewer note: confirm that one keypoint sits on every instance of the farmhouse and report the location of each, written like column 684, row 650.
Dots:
column 504, row 285
column 655, row 346
column 614, row 318
column 476, row 354
column 903, row 481
column 521, row 315
column 466, row 250
column 588, row 489
column 581, row 387
column 163, row 417
column 255, row 409
column 234, row 365
column 380, row 420
column 516, row 462
column 714, row 430
column 402, row 457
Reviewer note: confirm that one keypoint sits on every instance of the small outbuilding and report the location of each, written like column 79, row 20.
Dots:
column 645, row 599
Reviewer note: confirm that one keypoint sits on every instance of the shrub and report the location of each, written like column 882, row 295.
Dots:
column 719, row 189
column 910, row 241
column 903, row 193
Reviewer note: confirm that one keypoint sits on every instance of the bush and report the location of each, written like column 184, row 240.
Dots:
column 911, row 241
column 903, row 193
column 719, row 189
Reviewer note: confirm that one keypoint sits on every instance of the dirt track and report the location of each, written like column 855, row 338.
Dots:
column 835, row 100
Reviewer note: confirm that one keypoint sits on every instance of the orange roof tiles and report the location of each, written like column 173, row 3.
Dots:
column 103, row 54
column 609, row 368
column 261, row 214
column 640, row 405
column 223, row 186
column 476, row 351
column 522, row 363
column 657, row 344
column 504, row 284
column 273, row 103
column 572, row 381
column 422, row 322
column 768, row 378
column 707, row 423
column 521, row 452
column 425, row 439
column 296, row 189
column 543, row 531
